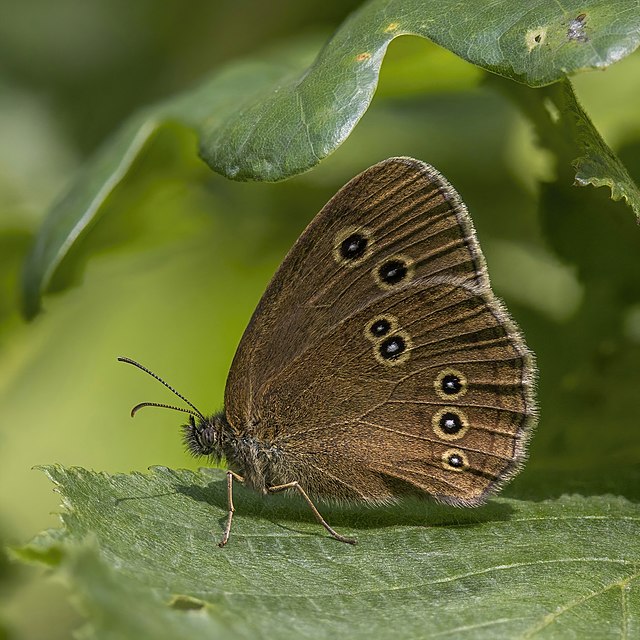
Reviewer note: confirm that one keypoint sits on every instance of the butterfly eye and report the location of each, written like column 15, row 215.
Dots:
column 454, row 460
column 450, row 423
column 450, row 383
column 380, row 328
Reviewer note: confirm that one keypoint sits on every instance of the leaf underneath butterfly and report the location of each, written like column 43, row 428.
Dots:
column 279, row 115
column 140, row 552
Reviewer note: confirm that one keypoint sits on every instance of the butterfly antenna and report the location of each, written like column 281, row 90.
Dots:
column 163, row 406
column 166, row 384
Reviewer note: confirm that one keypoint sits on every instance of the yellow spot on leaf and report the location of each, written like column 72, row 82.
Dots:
column 392, row 26
column 535, row 37
column 361, row 57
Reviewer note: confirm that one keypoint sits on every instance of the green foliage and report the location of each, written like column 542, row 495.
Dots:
column 179, row 257
column 141, row 553
column 271, row 119
column 302, row 117
column 566, row 130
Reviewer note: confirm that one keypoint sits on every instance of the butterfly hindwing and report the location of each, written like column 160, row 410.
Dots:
column 459, row 388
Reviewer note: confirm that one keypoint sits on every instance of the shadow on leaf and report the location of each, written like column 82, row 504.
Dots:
column 409, row 512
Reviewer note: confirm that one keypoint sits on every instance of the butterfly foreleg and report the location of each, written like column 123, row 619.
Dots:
column 231, row 476
column 296, row 485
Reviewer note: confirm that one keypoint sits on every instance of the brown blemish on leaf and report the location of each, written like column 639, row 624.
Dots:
column 576, row 30
column 535, row 37
column 361, row 57
column 392, row 26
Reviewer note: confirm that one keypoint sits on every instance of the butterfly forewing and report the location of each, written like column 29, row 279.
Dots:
column 378, row 360
column 401, row 207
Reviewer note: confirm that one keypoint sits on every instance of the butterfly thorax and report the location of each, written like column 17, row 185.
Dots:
column 257, row 461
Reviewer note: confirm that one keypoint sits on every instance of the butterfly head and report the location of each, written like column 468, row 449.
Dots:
column 203, row 436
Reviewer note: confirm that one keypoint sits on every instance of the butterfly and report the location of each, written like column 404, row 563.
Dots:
column 378, row 363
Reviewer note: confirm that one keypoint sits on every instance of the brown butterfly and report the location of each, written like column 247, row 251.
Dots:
column 379, row 362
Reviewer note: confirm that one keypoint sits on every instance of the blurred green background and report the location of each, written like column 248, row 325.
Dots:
column 181, row 256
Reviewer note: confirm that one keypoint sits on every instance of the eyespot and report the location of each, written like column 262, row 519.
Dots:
column 450, row 384
column 352, row 245
column 450, row 423
column 454, row 460
column 380, row 328
column 393, row 271
column 394, row 349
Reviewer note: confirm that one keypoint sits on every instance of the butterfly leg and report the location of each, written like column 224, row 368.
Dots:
column 296, row 485
column 231, row 476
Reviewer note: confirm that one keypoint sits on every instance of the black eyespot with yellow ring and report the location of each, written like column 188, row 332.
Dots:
column 352, row 245
column 394, row 271
column 394, row 349
column 450, row 384
column 455, row 460
column 378, row 327
column 450, row 423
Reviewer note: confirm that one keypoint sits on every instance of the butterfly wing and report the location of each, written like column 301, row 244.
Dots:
column 447, row 411
column 400, row 206
column 356, row 407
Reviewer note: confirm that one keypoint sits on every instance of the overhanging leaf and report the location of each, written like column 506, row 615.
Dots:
column 565, row 129
column 73, row 215
column 568, row 567
column 302, row 119
column 273, row 119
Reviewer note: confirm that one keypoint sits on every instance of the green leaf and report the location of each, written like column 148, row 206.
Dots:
column 274, row 118
column 77, row 211
column 565, row 129
column 141, row 552
column 120, row 608
column 6, row 583
column 289, row 127
column 596, row 343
